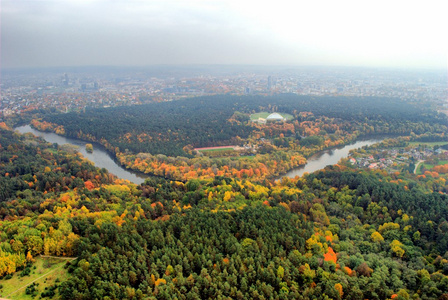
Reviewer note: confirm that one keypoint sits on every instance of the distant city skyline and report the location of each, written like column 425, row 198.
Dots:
column 396, row 34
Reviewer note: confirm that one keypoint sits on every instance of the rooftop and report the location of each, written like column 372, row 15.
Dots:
column 274, row 116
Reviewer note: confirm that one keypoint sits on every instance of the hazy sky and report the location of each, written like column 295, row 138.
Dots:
column 395, row 33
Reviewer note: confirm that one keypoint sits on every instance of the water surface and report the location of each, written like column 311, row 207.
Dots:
column 100, row 157
column 328, row 157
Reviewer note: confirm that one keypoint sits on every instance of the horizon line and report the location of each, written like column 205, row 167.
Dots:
column 401, row 68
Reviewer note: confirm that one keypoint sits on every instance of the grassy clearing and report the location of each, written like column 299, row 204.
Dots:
column 45, row 272
column 429, row 144
column 219, row 149
column 429, row 166
column 264, row 115
column 51, row 150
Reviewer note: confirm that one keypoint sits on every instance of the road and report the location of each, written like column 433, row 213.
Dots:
column 416, row 166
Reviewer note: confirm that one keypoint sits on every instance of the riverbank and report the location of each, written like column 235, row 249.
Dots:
column 100, row 156
column 327, row 157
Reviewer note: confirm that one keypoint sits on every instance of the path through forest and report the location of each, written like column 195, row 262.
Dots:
column 416, row 166
column 46, row 256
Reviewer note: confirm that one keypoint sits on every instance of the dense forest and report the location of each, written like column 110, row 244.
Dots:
column 159, row 138
column 340, row 233
column 167, row 127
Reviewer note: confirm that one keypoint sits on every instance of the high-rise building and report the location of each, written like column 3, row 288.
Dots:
column 65, row 80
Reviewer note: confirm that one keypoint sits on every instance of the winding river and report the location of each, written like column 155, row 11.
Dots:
column 328, row 157
column 102, row 159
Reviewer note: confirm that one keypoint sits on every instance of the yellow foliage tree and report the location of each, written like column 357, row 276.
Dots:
column 227, row 196
column 280, row 272
column 388, row 226
column 159, row 281
column 308, row 273
column 376, row 237
column 49, row 246
column 395, row 246
column 284, row 205
column 405, row 218
column 9, row 262
column 314, row 241
column 29, row 257
column 169, row 270
column 338, row 288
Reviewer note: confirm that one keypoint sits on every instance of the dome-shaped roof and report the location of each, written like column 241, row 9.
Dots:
column 274, row 116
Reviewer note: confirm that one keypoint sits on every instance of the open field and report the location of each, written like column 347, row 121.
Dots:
column 429, row 166
column 264, row 115
column 45, row 272
column 223, row 148
column 430, row 144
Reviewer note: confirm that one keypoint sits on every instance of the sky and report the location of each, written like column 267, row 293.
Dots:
column 380, row 33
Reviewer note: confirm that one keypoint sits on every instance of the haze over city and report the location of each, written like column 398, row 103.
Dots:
column 399, row 34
